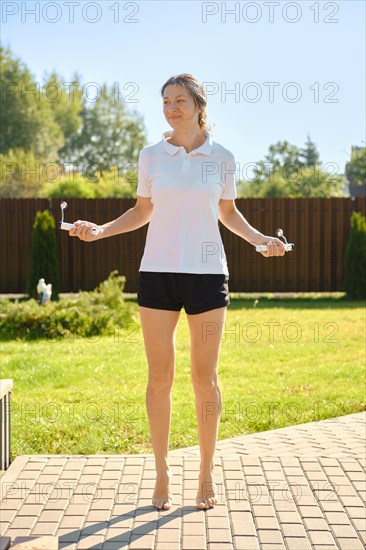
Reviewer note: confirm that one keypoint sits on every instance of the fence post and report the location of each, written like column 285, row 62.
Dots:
column 5, row 451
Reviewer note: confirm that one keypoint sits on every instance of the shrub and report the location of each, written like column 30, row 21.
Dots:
column 85, row 314
column 65, row 187
column 44, row 262
column 355, row 258
column 108, row 185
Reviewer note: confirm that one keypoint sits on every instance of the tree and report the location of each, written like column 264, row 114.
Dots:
column 26, row 118
column 20, row 174
column 282, row 157
column 50, row 127
column 274, row 186
column 310, row 153
column 355, row 258
column 109, row 136
column 356, row 167
column 65, row 100
column 313, row 181
column 291, row 172
column 44, row 262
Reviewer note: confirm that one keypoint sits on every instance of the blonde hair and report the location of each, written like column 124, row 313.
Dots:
column 197, row 92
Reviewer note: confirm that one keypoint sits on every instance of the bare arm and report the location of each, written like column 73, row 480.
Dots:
column 134, row 218
column 234, row 220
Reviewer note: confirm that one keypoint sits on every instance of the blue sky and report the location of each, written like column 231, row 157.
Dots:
column 310, row 50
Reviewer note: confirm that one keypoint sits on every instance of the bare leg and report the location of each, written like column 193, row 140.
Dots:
column 206, row 333
column 159, row 329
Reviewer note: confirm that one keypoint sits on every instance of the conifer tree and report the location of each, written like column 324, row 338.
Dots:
column 355, row 258
column 44, row 261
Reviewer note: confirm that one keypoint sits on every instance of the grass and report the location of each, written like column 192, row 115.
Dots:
column 283, row 362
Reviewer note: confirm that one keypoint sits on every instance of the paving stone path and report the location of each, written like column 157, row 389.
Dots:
column 297, row 488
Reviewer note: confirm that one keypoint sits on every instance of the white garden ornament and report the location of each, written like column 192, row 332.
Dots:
column 44, row 292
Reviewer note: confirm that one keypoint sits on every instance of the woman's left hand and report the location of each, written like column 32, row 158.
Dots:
column 275, row 247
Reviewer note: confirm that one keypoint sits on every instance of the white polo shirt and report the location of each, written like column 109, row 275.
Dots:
column 185, row 189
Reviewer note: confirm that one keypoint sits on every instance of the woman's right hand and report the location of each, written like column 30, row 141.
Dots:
column 275, row 247
column 83, row 230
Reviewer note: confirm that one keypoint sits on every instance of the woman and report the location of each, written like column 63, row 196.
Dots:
column 186, row 182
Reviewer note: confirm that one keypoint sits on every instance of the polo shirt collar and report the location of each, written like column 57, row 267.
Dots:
column 204, row 149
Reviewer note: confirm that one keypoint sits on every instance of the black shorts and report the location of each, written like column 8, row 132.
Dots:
column 195, row 291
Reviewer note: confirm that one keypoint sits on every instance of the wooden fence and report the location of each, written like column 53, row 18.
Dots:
column 318, row 227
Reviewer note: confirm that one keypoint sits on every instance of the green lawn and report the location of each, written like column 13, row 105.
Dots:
column 282, row 362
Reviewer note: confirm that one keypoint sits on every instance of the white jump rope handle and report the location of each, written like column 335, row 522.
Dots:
column 264, row 247
column 67, row 226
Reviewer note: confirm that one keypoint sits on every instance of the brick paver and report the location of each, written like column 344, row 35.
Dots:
column 267, row 499
column 335, row 437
